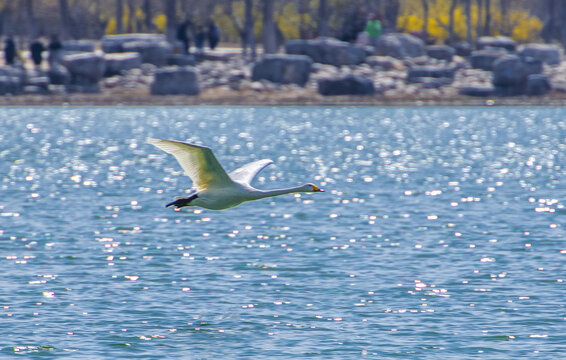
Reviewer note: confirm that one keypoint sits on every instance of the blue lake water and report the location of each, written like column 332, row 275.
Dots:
column 441, row 234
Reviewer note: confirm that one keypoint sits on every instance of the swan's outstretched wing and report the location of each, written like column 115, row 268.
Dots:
column 199, row 163
column 246, row 173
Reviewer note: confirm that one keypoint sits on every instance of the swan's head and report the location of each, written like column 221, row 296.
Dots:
column 312, row 188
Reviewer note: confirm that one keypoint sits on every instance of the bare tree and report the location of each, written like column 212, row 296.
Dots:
column 392, row 8
column 323, row 18
column 479, row 28
column 170, row 13
column 268, row 28
column 303, row 10
column 554, row 28
column 468, row 11
column 487, row 21
column 504, row 8
column 119, row 16
column 451, row 35
column 65, row 18
column 131, row 17
column 425, row 18
column 249, row 28
column 31, row 21
column 147, row 16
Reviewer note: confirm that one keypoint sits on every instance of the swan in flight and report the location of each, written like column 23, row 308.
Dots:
column 215, row 189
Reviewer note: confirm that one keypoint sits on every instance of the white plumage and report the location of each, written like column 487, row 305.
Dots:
column 215, row 189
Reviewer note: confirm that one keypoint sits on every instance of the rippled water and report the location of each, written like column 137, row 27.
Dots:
column 440, row 235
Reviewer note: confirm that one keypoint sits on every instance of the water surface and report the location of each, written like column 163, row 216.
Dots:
column 440, row 235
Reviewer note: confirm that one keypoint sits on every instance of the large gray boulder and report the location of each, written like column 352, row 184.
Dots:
column 538, row 85
column 58, row 74
column 117, row 63
column 12, row 80
column 547, row 53
column 152, row 52
column 115, row 43
column 85, row 68
column 477, row 91
column 283, row 69
column 347, row 85
column 509, row 71
column 484, row 59
column 500, row 42
column 440, row 52
column 78, row 46
column 181, row 60
column 400, row 46
column 37, row 85
column 327, row 51
column 417, row 73
column 175, row 80
column 463, row 49
column 532, row 65
column 384, row 63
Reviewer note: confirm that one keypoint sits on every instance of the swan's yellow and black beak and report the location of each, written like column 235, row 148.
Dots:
column 316, row 189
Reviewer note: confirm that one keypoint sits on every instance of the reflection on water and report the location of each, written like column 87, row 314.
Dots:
column 440, row 233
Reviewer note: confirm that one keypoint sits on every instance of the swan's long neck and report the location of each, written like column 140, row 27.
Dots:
column 260, row 194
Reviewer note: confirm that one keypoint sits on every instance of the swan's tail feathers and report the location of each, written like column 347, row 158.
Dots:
column 182, row 201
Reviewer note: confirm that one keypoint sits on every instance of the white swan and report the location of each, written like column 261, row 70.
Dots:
column 215, row 189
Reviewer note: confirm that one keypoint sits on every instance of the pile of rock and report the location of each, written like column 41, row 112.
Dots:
column 515, row 70
column 399, row 65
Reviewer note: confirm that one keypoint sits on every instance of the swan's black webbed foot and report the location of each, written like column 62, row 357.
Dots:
column 184, row 201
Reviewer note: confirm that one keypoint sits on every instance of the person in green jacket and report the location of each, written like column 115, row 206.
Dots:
column 373, row 28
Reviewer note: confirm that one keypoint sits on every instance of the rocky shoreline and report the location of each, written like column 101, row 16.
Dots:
column 143, row 70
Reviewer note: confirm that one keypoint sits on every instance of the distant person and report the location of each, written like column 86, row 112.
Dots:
column 200, row 39
column 9, row 50
column 213, row 35
column 183, row 36
column 36, row 49
column 55, row 50
column 373, row 28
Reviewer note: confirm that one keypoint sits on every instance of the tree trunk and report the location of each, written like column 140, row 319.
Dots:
column 323, row 18
column 303, row 10
column 561, row 13
column 425, row 20
column 451, row 35
column 504, row 8
column 249, row 27
column 131, row 17
column 170, row 13
column 479, row 17
column 268, row 28
column 468, row 11
column 487, row 21
column 65, row 19
column 31, row 25
column 119, row 16
column 147, row 14
column 391, row 13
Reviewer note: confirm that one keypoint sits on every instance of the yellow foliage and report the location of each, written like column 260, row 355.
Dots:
column 522, row 26
column 289, row 21
column 160, row 22
column 140, row 14
column 525, row 27
column 410, row 22
column 110, row 27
